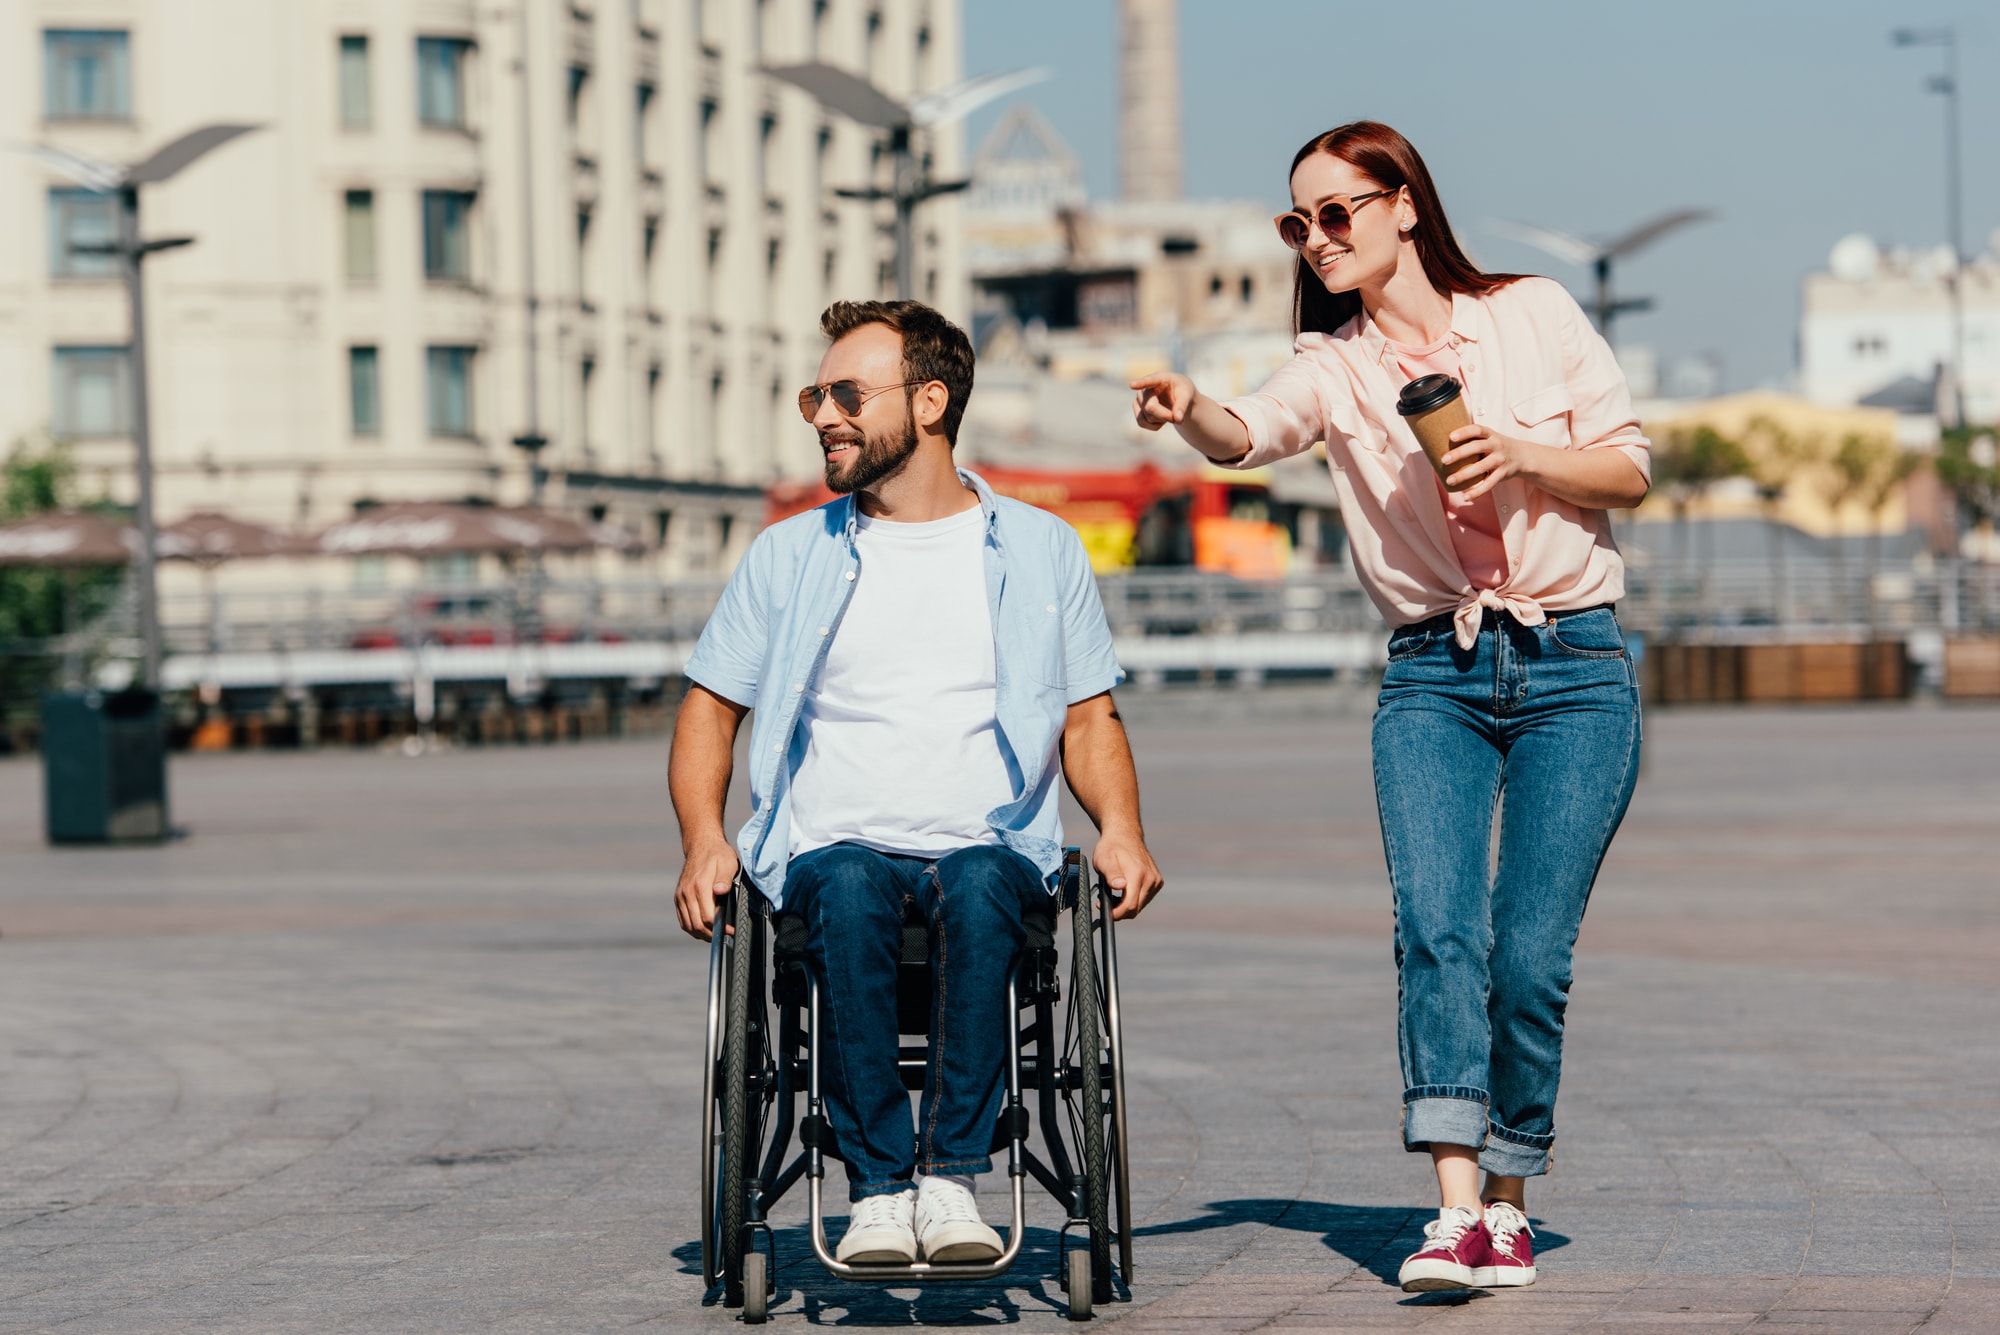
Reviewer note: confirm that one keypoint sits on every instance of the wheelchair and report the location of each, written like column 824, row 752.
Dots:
column 763, row 1055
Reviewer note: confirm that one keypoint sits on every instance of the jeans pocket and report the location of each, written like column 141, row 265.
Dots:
column 1594, row 634
column 1409, row 641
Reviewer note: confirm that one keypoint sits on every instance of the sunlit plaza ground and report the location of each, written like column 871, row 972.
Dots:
column 412, row 1044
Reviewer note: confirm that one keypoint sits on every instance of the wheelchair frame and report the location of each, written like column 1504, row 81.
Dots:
column 750, row 1085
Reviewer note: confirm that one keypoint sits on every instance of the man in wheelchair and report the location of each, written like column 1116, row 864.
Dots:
column 923, row 658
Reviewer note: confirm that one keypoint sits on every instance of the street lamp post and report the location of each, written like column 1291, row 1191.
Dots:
column 132, row 251
column 1947, row 84
column 858, row 100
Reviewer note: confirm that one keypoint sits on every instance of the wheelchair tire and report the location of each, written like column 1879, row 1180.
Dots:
column 738, row 1143
column 1076, row 1278
column 710, row 1146
column 1087, row 1001
column 1114, row 1032
column 756, row 1288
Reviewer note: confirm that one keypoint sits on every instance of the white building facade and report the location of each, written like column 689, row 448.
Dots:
column 1875, row 317
column 460, row 225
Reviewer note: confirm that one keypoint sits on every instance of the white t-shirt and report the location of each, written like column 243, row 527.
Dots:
column 902, row 747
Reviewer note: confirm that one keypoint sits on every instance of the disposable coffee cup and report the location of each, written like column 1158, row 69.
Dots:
column 1434, row 406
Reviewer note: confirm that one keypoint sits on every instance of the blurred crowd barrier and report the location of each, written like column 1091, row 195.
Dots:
column 543, row 660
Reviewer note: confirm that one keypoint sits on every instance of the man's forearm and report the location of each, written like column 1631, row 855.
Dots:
column 698, row 770
column 1097, row 764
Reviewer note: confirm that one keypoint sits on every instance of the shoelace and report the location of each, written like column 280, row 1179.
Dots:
column 952, row 1207
column 1446, row 1230
column 876, row 1212
column 1505, row 1223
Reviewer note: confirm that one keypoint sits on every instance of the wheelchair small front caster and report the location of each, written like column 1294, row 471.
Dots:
column 756, row 1288
column 1076, row 1278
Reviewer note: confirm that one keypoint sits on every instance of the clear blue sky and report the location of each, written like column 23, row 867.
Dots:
column 1795, row 119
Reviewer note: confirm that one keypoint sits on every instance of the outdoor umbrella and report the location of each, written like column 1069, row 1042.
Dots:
column 207, row 539
column 66, row 538
column 430, row 528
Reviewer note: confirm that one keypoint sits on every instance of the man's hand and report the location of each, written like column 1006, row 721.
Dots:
column 1129, row 869
column 709, row 871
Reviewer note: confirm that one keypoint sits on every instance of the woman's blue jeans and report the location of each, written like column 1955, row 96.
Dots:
column 1540, row 723
column 853, row 900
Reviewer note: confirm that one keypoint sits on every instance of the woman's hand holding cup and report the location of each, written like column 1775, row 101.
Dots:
column 1480, row 458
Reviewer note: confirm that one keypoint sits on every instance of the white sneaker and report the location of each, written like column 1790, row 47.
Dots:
column 879, row 1232
column 949, row 1227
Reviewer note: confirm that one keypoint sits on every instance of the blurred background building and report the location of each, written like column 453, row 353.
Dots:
column 589, row 228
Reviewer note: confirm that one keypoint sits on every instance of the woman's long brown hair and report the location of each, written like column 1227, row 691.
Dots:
column 1389, row 160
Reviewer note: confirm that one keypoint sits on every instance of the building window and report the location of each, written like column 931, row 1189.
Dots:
column 357, row 97
column 873, row 42
column 447, row 245
column 711, row 126
column 587, row 390
column 93, row 392
column 573, row 105
column 86, row 75
column 583, row 257
column 358, row 235
column 449, row 390
column 767, row 142
column 819, row 24
column 642, row 113
column 364, row 391
column 441, row 81
column 81, row 218
column 652, row 423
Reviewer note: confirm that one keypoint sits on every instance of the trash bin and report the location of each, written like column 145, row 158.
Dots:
column 104, row 767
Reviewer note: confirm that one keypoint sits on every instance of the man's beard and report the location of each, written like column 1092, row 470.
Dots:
column 878, row 459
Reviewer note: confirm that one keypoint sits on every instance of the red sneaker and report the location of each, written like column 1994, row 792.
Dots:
column 1513, row 1256
column 1455, row 1252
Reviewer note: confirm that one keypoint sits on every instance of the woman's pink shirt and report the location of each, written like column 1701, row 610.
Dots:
column 1475, row 524
column 1534, row 369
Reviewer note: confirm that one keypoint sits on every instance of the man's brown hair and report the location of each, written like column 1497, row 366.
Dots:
column 933, row 348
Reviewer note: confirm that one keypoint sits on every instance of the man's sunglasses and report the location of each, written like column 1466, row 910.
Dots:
column 847, row 396
column 1336, row 220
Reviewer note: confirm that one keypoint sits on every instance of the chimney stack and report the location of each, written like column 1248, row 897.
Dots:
column 1149, row 100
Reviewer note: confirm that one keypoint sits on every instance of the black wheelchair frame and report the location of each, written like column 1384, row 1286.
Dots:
column 754, row 1073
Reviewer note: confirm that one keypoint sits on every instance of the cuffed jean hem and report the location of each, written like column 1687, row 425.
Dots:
column 1515, row 1153
column 865, row 1190
column 954, row 1167
column 1444, row 1115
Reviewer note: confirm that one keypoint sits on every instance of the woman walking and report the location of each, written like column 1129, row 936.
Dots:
column 1508, row 687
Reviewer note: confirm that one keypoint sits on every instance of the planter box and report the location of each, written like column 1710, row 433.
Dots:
column 1769, row 674
column 1828, row 672
column 1972, row 667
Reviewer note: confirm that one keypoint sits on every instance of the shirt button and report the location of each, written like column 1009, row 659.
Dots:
column 776, row 749
column 797, row 689
column 822, row 630
column 1052, row 607
column 850, row 574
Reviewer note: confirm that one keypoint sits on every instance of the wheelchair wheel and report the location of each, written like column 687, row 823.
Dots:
column 1077, row 1281
column 1120, row 1163
column 1087, row 1031
column 710, row 1145
column 741, row 1137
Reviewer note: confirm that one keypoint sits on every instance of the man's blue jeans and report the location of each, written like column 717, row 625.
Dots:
column 1542, row 723
column 853, row 900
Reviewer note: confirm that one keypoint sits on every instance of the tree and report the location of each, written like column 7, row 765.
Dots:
column 1687, row 463
column 1776, row 456
column 38, row 604
column 1969, row 466
column 1864, row 468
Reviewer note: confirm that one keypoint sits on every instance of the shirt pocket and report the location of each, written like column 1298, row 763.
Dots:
column 1545, row 415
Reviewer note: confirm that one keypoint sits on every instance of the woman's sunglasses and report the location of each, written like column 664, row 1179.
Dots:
column 1336, row 220
column 847, row 396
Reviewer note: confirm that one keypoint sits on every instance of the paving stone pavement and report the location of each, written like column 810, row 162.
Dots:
column 394, row 1044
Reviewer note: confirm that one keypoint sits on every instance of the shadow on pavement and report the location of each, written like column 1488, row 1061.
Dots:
column 1374, row 1237
column 1031, row 1286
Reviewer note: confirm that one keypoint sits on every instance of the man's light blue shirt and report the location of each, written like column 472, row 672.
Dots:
column 768, row 637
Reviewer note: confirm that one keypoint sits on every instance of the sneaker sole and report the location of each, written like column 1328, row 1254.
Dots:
column 1503, row 1277
column 1432, row 1276
column 960, row 1253
column 877, row 1256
